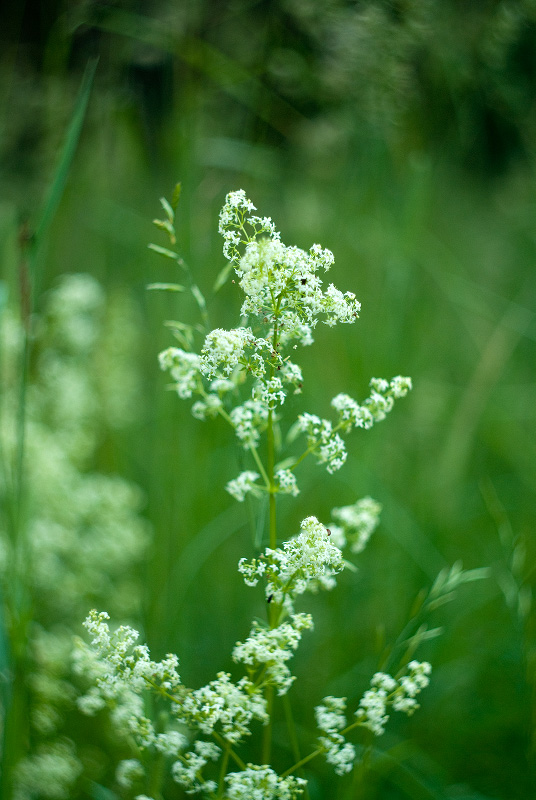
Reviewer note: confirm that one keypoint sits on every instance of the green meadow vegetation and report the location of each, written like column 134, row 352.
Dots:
column 398, row 135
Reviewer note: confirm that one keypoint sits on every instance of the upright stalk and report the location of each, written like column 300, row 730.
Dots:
column 271, row 444
column 272, row 612
column 269, row 692
column 270, row 473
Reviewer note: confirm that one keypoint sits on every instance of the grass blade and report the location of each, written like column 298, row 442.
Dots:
column 67, row 154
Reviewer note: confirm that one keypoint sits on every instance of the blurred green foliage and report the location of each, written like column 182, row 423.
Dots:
column 401, row 136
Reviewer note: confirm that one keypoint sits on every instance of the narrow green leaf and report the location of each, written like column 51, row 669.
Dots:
column 164, row 225
column 223, row 277
column 524, row 604
column 477, row 574
column 167, row 208
column 440, row 601
column 432, row 633
column 67, row 154
column 201, row 302
column 182, row 332
column 176, row 195
column 167, row 287
column 179, row 326
column 163, row 251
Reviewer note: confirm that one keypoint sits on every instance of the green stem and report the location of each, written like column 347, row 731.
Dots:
column 318, row 751
column 312, row 448
column 267, row 733
column 266, row 479
column 225, row 745
column 157, row 776
column 302, row 762
column 270, row 441
column 270, row 471
column 223, row 770
column 272, row 612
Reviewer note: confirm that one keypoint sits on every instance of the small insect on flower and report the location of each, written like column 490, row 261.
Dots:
column 328, row 531
column 269, row 598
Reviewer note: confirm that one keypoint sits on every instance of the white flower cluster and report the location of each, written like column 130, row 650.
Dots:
column 323, row 438
column 249, row 421
column 356, row 523
column 305, row 562
column 236, row 211
column 122, row 673
column 184, row 369
column 83, row 529
column 128, row 771
column 326, row 443
column 244, row 483
column 331, row 719
column 270, row 270
column 54, row 766
column 286, row 482
column 187, row 770
column 223, row 351
column 387, row 692
column 262, row 783
column 221, row 702
column 285, row 299
column 271, row 648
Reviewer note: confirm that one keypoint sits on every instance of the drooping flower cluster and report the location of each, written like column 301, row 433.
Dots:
column 331, row 719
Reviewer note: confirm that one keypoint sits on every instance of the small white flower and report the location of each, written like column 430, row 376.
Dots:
column 128, row 771
column 286, row 482
column 184, row 369
column 223, row 351
column 358, row 521
column 273, row 647
column 245, row 483
column 262, row 783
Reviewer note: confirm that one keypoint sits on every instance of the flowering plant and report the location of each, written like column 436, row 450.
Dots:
column 244, row 375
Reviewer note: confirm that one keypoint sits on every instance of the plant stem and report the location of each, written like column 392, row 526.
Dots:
column 272, row 612
column 270, row 472
column 301, row 763
column 318, row 751
column 223, row 770
column 253, row 451
column 226, row 746
column 267, row 733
